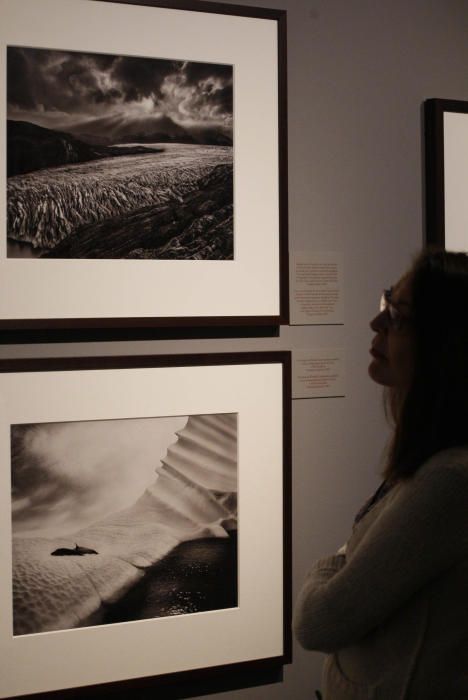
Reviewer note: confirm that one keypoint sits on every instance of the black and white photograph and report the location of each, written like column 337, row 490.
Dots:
column 124, row 482
column 118, row 157
column 446, row 171
column 145, row 153
column 122, row 520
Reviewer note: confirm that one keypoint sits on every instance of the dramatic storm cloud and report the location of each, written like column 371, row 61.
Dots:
column 67, row 475
column 57, row 88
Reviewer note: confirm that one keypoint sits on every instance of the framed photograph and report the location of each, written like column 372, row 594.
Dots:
column 145, row 513
column 446, row 136
column 145, row 182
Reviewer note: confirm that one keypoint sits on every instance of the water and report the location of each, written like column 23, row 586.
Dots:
column 196, row 576
column 18, row 249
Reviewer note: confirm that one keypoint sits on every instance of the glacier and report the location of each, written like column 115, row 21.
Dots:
column 194, row 495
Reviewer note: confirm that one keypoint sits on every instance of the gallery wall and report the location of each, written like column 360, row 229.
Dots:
column 358, row 73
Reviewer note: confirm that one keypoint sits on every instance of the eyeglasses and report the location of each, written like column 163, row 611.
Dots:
column 396, row 319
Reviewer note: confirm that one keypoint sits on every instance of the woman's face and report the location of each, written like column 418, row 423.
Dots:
column 392, row 347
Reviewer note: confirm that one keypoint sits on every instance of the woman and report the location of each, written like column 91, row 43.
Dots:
column 391, row 607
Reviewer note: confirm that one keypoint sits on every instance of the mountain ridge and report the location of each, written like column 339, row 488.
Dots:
column 31, row 147
column 147, row 129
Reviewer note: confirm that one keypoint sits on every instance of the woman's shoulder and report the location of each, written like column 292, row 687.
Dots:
column 443, row 475
column 448, row 463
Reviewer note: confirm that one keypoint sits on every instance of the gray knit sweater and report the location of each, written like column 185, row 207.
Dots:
column 393, row 612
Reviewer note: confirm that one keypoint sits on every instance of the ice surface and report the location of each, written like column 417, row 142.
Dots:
column 193, row 496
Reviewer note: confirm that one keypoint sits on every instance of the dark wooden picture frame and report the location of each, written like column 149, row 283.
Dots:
column 256, row 386
column 436, row 192
column 230, row 296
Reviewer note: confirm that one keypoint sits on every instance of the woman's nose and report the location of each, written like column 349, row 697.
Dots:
column 379, row 322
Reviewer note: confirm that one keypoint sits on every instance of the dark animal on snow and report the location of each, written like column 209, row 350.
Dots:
column 77, row 552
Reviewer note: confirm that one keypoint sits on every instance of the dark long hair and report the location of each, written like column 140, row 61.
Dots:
column 433, row 413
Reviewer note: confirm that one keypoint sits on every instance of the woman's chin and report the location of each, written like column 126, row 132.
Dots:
column 379, row 373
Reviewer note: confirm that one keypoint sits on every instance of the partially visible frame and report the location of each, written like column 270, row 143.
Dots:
column 446, row 155
column 250, row 289
column 177, row 648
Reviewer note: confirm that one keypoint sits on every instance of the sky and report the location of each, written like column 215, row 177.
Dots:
column 68, row 475
column 59, row 88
